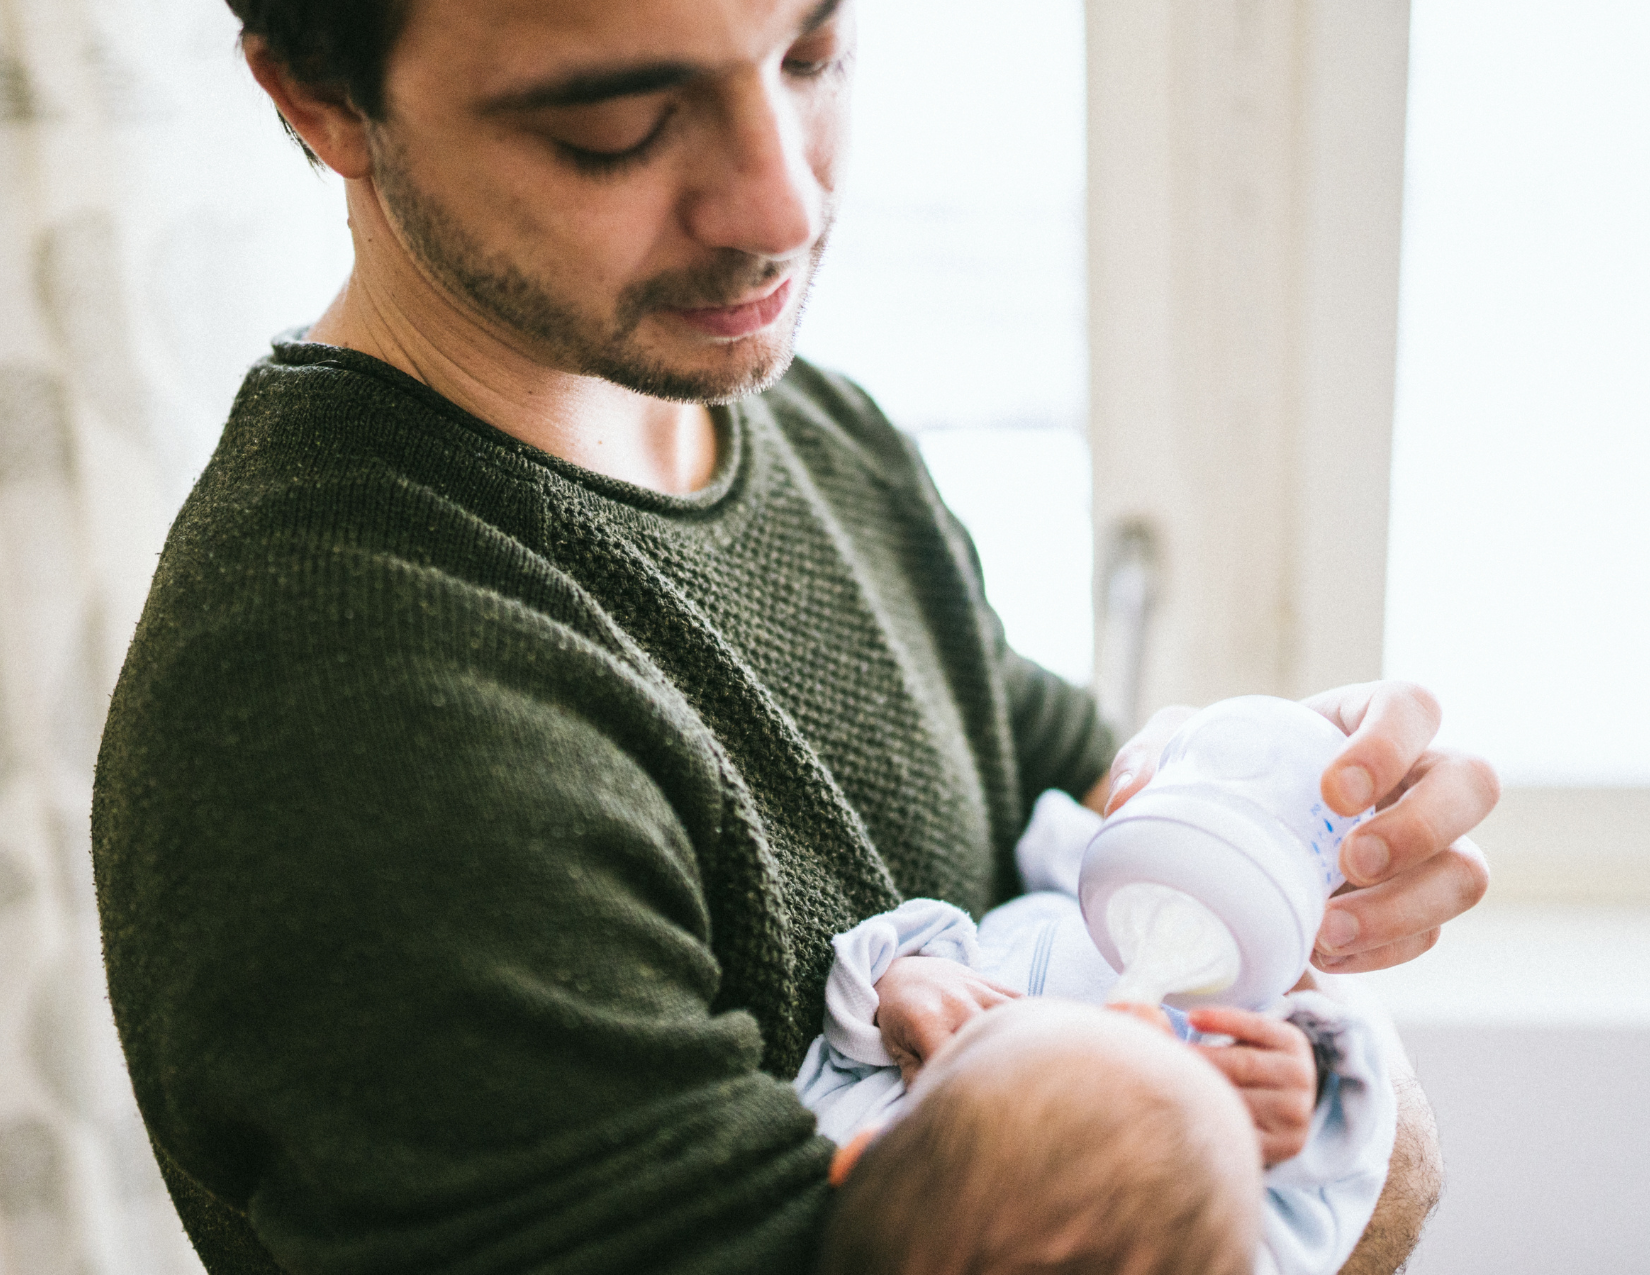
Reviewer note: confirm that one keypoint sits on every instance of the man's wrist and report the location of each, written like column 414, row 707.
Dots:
column 1414, row 1183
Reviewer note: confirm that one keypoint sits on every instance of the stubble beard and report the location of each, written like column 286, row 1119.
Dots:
column 577, row 341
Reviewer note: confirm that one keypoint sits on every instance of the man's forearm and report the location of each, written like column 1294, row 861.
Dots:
column 1414, row 1181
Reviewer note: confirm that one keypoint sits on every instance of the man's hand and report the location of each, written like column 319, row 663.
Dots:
column 1270, row 1064
column 1136, row 761
column 921, row 1003
column 1410, row 868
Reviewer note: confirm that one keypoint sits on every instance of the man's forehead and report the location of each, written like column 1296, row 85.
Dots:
column 504, row 43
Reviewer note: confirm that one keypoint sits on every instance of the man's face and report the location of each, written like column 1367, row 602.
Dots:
column 632, row 189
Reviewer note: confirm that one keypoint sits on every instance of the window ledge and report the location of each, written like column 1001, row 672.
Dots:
column 1531, row 965
column 1569, row 846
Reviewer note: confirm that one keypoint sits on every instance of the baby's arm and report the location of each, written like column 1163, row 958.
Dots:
column 1270, row 1062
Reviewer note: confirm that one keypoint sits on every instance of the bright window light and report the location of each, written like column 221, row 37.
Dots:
column 954, row 286
column 1519, row 576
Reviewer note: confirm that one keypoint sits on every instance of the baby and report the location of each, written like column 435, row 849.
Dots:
column 1101, row 1144
column 1050, row 1135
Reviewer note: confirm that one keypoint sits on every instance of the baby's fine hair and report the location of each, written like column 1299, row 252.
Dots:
column 979, row 1182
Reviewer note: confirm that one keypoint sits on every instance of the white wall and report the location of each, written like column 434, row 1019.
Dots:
column 1545, row 1152
column 1529, row 1027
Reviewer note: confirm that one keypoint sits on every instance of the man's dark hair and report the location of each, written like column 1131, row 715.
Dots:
column 340, row 44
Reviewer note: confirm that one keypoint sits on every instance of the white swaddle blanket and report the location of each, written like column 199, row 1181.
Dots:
column 1317, row 1204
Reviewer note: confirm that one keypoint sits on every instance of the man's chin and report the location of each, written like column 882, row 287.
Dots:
column 723, row 373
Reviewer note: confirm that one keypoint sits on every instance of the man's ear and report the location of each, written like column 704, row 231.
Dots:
column 324, row 117
column 847, row 1155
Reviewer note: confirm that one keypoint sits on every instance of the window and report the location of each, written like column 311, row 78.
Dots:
column 954, row 290
column 1519, row 578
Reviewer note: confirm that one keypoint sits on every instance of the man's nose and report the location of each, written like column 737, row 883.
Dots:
column 757, row 192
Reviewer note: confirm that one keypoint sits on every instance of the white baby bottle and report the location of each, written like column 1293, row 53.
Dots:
column 1208, row 886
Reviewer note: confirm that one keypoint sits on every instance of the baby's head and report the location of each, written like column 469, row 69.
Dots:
column 1051, row 1136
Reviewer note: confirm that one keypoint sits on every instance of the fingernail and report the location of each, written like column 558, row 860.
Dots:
column 1368, row 857
column 1357, row 786
column 1340, row 929
column 1118, row 786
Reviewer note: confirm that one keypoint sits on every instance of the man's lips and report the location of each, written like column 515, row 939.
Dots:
column 739, row 320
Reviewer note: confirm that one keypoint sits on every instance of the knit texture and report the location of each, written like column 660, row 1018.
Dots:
column 470, row 829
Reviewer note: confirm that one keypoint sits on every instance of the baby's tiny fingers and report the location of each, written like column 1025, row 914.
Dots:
column 1249, row 1028
column 909, row 1063
column 1281, row 1111
column 1275, row 1148
column 1260, row 1068
column 987, row 993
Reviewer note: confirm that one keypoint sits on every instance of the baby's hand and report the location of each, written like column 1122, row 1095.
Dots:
column 1270, row 1062
column 921, row 1003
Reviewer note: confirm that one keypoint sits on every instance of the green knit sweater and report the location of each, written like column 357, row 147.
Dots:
column 470, row 829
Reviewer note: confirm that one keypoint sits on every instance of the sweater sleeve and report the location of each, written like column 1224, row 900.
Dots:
column 1060, row 739
column 411, row 953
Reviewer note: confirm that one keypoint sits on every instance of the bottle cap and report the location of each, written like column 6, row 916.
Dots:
column 1260, row 886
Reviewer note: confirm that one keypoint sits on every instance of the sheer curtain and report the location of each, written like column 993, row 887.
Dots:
column 155, row 229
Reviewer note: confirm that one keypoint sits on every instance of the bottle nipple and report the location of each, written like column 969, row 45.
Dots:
column 1170, row 943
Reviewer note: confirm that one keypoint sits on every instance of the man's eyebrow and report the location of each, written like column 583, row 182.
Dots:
column 601, row 84
column 822, row 13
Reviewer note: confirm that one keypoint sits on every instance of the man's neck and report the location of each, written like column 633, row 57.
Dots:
column 389, row 310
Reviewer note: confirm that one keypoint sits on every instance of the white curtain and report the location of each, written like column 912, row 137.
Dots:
column 155, row 229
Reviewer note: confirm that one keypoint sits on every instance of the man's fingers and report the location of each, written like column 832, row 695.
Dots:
column 1378, row 958
column 1402, row 909
column 1447, row 794
column 1128, row 782
column 1283, row 1121
column 1136, row 760
column 1390, row 724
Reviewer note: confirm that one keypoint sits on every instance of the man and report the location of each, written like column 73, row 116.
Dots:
column 536, row 681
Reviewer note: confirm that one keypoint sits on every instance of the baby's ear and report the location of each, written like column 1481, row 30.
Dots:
column 847, row 1155
column 1151, row 1015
